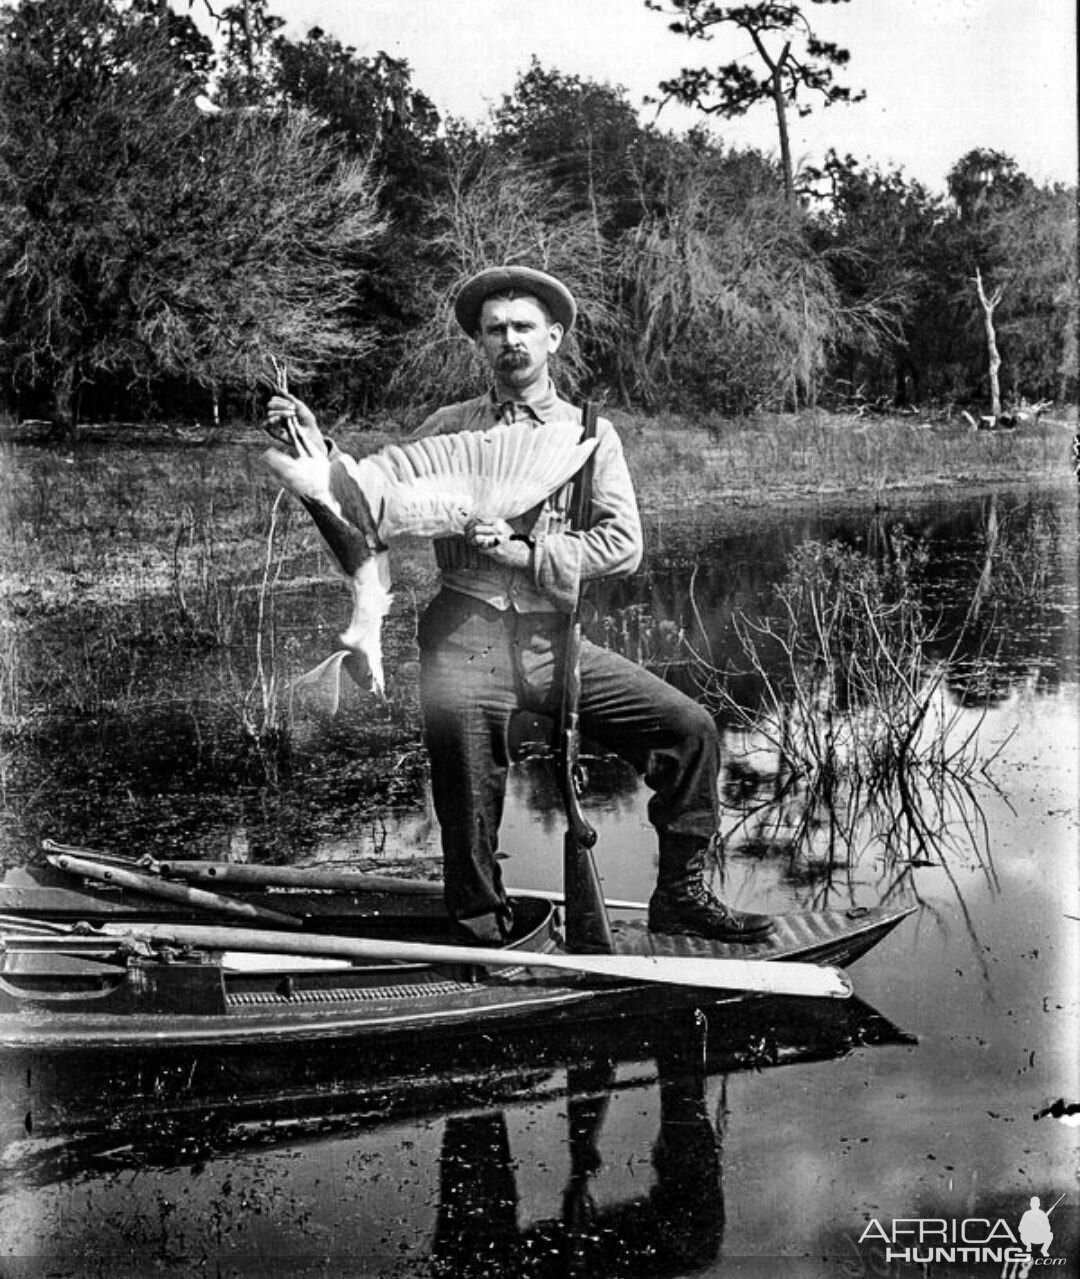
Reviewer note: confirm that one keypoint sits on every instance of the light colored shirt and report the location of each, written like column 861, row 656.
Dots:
column 561, row 558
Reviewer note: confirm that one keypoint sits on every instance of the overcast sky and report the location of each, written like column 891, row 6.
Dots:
column 941, row 76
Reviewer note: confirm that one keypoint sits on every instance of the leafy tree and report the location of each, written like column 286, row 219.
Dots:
column 371, row 108
column 887, row 236
column 269, row 234
column 1021, row 240
column 795, row 62
column 75, row 78
column 727, row 305
column 984, row 182
column 585, row 135
column 886, row 243
column 1032, row 242
column 142, row 239
column 248, row 31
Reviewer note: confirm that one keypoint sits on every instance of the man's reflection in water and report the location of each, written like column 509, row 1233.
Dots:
column 677, row 1225
column 477, row 1231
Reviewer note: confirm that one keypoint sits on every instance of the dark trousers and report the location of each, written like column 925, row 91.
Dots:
column 478, row 666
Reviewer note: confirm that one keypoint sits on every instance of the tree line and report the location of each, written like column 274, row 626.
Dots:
column 176, row 214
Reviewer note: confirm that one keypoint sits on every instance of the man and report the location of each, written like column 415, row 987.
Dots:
column 491, row 642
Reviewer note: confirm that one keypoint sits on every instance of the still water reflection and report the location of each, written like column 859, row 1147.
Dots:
column 666, row 1165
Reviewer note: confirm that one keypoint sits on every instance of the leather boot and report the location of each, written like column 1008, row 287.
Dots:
column 684, row 905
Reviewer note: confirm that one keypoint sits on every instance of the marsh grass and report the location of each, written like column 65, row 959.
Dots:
column 674, row 461
column 13, row 718
column 206, row 593
column 117, row 558
column 264, row 707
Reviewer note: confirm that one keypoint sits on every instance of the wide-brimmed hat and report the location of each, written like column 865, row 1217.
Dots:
column 514, row 279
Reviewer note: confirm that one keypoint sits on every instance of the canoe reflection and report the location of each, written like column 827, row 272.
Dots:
column 478, row 1202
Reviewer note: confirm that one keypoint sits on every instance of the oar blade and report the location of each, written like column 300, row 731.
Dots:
column 752, row 976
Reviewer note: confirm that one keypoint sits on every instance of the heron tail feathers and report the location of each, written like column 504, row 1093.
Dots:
column 321, row 686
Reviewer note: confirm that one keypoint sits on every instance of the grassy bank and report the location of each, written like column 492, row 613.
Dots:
column 775, row 458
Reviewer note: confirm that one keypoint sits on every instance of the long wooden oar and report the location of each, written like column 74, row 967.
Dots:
column 184, row 894
column 318, row 878
column 772, row 977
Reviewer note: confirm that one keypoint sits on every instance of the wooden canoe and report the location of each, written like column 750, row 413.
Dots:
column 65, row 990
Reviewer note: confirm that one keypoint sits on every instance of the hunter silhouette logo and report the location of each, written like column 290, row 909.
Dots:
column 1035, row 1232
column 1035, row 1227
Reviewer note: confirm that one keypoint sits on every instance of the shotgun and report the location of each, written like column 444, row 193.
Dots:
column 587, row 927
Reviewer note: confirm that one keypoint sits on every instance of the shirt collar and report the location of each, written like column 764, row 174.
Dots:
column 542, row 409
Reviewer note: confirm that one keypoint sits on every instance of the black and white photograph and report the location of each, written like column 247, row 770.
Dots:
column 539, row 639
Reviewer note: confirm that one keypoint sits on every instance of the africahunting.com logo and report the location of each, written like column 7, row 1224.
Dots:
column 1019, row 1249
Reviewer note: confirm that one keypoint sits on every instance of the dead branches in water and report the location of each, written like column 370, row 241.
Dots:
column 854, row 743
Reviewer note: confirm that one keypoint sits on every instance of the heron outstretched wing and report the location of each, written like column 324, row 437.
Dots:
column 435, row 485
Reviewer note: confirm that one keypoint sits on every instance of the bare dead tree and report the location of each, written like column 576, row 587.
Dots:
column 988, row 305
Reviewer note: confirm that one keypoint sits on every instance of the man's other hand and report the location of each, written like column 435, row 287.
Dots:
column 486, row 535
column 496, row 539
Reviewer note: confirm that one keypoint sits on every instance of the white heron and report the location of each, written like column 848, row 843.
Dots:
column 430, row 487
